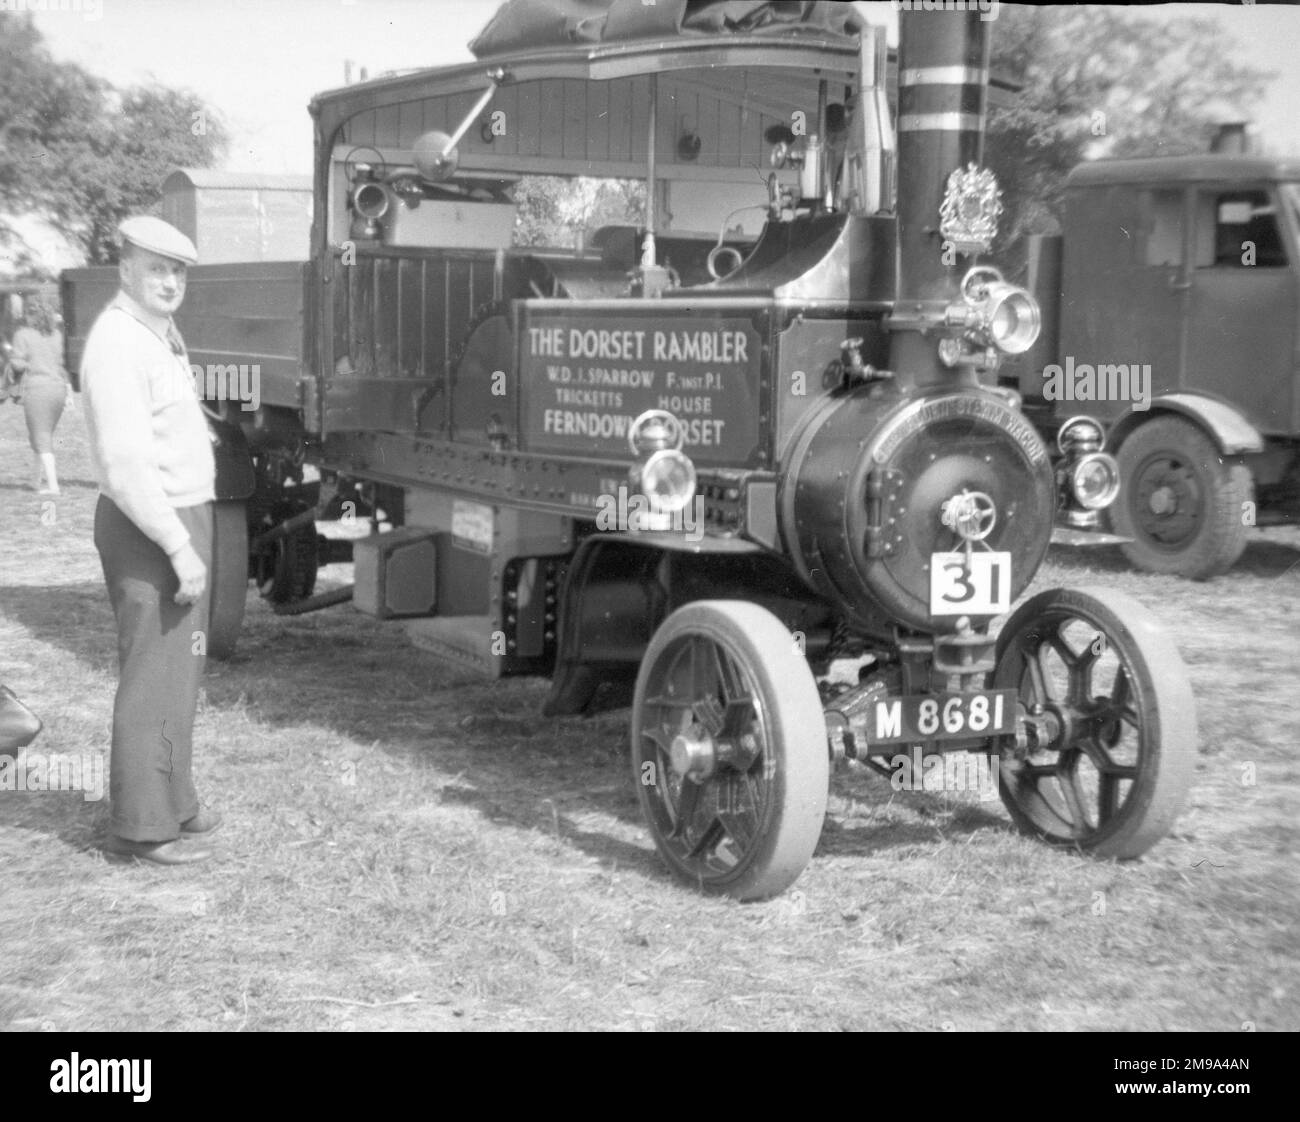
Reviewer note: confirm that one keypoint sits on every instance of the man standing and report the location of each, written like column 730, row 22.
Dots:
column 153, row 529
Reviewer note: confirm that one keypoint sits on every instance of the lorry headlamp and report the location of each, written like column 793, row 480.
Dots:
column 667, row 479
column 1095, row 481
column 1079, row 435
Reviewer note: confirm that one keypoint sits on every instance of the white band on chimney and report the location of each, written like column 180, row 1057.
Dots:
column 944, row 76
column 942, row 122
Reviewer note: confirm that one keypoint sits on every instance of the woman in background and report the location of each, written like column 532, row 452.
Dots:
column 38, row 358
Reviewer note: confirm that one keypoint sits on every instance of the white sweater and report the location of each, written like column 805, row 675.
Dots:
column 148, row 438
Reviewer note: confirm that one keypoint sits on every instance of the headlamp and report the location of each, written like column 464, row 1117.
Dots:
column 1095, row 481
column 1004, row 314
column 667, row 479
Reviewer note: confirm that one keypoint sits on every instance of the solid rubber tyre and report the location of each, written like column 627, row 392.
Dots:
column 1117, row 777
column 749, row 829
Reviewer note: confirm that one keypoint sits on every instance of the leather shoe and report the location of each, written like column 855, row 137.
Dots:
column 158, row 853
column 202, row 823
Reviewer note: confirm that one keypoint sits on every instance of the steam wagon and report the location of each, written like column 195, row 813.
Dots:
column 693, row 458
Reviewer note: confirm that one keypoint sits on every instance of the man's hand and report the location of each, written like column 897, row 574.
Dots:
column 191, row 572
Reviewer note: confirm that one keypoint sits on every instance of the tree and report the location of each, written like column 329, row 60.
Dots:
column 551, row 210
column 82, row 154
column 1103, row 82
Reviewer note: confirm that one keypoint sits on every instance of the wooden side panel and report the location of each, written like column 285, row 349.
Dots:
column 620, row 121
column 361, row 277
column 410, row 318
column 598, row 124
column 385, row 330
column 551, row 125
column 410, row 117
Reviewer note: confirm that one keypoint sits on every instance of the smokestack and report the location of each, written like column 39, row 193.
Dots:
column 1231, row 139
column 942, row 86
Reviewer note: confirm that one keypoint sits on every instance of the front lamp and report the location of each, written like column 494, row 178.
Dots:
column 1095, row 481
column 664, row 474
column 668, row 481
column 1005, row 314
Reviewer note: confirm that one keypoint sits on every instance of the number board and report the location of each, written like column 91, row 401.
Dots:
column 586, row 377
column 978, row 583
column 944, row 716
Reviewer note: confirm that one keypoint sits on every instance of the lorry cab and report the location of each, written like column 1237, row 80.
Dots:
column 1190, row 266
column 1175, row 287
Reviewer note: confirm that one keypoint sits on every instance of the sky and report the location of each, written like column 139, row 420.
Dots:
column 260, row 61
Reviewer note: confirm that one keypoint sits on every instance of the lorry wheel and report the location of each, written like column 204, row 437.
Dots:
column 286, row 569
column 1113, row 768
column 228, row 579
column 1180, row 501
column 729, row 749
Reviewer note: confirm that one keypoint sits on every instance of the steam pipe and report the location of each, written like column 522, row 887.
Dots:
column 648, row 246
column 867, row 183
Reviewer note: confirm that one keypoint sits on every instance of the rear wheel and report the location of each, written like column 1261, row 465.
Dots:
column 1113, row 771
column 1181, row 502
column 729, row 749
column 228, row 579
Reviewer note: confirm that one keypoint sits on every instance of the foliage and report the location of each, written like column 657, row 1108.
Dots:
column 551, row 210
column 83, row 154
column 1101, row 81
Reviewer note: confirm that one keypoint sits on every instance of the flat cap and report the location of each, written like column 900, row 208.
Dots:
column 159, row 237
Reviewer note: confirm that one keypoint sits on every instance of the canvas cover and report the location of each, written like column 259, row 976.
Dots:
column 527, row 24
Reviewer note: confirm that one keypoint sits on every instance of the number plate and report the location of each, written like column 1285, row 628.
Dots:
column 943, row 716
column 977, row 585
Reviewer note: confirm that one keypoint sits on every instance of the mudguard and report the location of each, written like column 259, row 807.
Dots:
column 1230, row 431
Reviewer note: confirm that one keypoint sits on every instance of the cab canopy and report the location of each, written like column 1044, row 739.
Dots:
column 527, row 24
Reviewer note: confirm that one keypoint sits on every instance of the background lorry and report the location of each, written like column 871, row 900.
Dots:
column 693, row 463
column 1170, row 304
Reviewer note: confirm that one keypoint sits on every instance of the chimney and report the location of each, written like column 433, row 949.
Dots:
column 1231, row 139
column 942, row 86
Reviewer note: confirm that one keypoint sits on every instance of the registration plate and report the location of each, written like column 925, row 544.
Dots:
column 942, row 716
column 975, row 583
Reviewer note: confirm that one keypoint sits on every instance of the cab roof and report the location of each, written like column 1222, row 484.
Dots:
column 1185, row 169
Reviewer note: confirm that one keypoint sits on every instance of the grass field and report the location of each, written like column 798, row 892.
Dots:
column 407, row 847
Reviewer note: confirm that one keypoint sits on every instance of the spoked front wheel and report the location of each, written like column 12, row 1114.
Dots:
column 1112, row 761
column 729, row 749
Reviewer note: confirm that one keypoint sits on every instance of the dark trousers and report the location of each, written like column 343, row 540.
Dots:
column 150, row 786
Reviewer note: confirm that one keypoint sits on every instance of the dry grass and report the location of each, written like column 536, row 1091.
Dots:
column 407, row 847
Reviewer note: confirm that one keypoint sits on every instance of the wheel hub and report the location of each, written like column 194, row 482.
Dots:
column 693, row 753
column 1163, row 500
